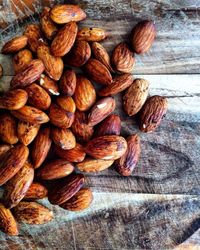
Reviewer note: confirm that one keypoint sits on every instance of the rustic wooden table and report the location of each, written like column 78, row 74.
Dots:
column 158, row 207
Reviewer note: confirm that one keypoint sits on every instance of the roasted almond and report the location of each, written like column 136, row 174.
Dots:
column 101, row 110
column 14, row 45
column 152, row 113
column 66, row 189
column 91, row 165
column 64, row 138
column 120, row 83
column 91, row 34
column 27, row 132
column 41, row 147
column 79, row 201
column 21, row 60
column 3, row 149
column 64, row 39
column 32, row 213
column 36, row 191
column 126, row 164
column 107, row 147
column 67, row 82
column 135, row 96
column 85, row 94
column 34, row 35
column 17, row 187
column 55, row 169
column 66, row 13
column 67, row 103
column 13, row 160
column 49, row 85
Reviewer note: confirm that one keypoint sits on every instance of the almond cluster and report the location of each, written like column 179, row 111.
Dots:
column 53, row 120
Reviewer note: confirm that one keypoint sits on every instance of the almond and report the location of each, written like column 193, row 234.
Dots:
column 14, row 45
column 55, row 169
column 31, row 115
column 126, row 164
column 79, row 201
column 110, row 126
column 66, row 189
column 68, row 82
column 7, row 222
column 28, row 75
column 59, row 117
column 13, row 160
column 79, row 54
column 13, row 99
column 64, row 40
column 107, row 147
column 27, row 132
column 3, row 149
column 49, row 85
column 38, row 97
column 143, row 35
column 122, row 59
column 91, row 34
column 152, row 113
column 41, row 147
column 66, row 13
column 47, row 25
column 135, row 96
column 17, row 187
column 32, row 213
column 64, row 138
column 80, row 127
column 91, row 165
column 85, row 94
column 36, row 191
column 101, row 110
column 67, row 103
column 34, row 35
column 76, row 154
column 21, row 60
column 98, row 72
column 53, row 65
column 120, row 83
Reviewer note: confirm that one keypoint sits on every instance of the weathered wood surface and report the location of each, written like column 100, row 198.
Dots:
column 159, row 206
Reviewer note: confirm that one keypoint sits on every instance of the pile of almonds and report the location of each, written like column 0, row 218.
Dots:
column 52, row 111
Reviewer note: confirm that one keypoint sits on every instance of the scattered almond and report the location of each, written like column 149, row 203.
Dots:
column 27, row 132
column 68, row 82
column 91, row 165
column 36, row 191
column 64, row 138
column 21, row 60
column 91, row 34
column 15, row 45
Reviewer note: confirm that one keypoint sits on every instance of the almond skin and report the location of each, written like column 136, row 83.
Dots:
column 31, row 115
column 67, row 103
column 79, row 54
column 64, row 39
column 76, row 154
column 8, row 129
column 143, row 35
column 122, row 59
column 49, row 85
column 98, row 72
column 14, row 45
column 13, row 99
column 152, row 113
column 53, row 65
column 135, row 96
column 79, row 201
column 36, row 191
column 27, row 132
column 38, row 97
column 41, row 147
column 28, row 75
column 66, row 189
column 80, row 127
column 85, row 94
column 91, row 165
column 120, row 83
column 13, row 160
column 91, row 34
column 64, row 138
column 22, row 59
column 66, row 13
column 67, row 82
column 126, row 164
column 17, row 187
column 34, row 35
column 107, row 147
column 7, row 222
column 3, row 149
column 32, row 213
column 101, row 110
column 55, row 169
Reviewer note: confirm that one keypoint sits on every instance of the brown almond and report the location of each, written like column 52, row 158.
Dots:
column 64, row 138
column 3, row 149
column 27, row 132
column 91, row 34
column 14, row 45
column 67, row 103
column 22, row 59
column 67, row 82
column 34, row 35
column 91, row 165
column 36, row 191
column 49, row 85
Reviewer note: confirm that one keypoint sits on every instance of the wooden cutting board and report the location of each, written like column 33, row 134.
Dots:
column 158, row 207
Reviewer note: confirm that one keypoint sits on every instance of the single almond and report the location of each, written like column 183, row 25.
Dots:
column 27, row 132
column 36, row 191
column 67, row 82
column 34, row 35
column 67, row 103
column 64, row 138
column 91, row 165
column 22, row 59
column 14, row 45
column 91, row 34
column 49, row 85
